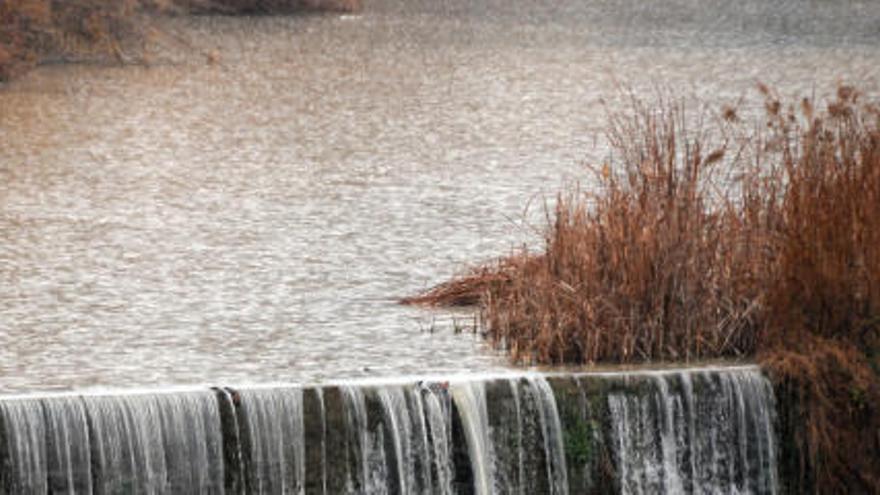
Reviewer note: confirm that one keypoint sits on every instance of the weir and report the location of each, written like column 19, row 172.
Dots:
column 706, row 430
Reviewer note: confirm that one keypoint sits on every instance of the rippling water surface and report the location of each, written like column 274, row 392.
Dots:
column 253, row 220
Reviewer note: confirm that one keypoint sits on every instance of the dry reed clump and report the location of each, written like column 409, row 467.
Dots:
column 22, row 27
column 639, row 269
column 737, row 242
column 822, row 330
column 700, row 243
column 34, row 31
column 827, row 275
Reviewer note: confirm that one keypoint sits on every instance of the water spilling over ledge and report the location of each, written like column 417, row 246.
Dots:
column 706, row 430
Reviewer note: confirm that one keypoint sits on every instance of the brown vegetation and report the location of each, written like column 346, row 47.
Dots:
column 33, row 31
column 720, row 241
column 641, row 268
column 469, row 289
column 822, row 333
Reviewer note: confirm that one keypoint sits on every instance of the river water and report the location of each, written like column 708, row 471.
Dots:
column 254, row 219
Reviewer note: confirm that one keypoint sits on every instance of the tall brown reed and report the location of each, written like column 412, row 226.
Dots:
column 828, row 273
column 823, row 314
column 642, row 267
column 736, row 242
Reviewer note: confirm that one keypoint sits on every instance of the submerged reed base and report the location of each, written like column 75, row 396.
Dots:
column 720, row 241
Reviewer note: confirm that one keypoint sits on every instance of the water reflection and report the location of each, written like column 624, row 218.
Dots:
column 253, row 220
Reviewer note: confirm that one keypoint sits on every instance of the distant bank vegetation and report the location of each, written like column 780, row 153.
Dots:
column 724, row 239
column 34, row 31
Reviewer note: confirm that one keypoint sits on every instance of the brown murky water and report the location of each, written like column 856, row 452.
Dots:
column 253, row 220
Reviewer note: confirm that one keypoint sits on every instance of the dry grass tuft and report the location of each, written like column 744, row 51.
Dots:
column 475, row 285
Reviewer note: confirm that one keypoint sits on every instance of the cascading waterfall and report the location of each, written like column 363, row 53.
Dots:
column 438, row 411
column 518, row 438
column 403, row 409
column 368, row 472
column 322, row 408
column 156, row 443
column 682, row 431
column 695, row 432
column 68, row 454
column 405, row 446
column 518, row 444
column 551, row 432
column 25, row 430
column 470, row 399
column 400, row 432
column 153, row 443
column 273, row 419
